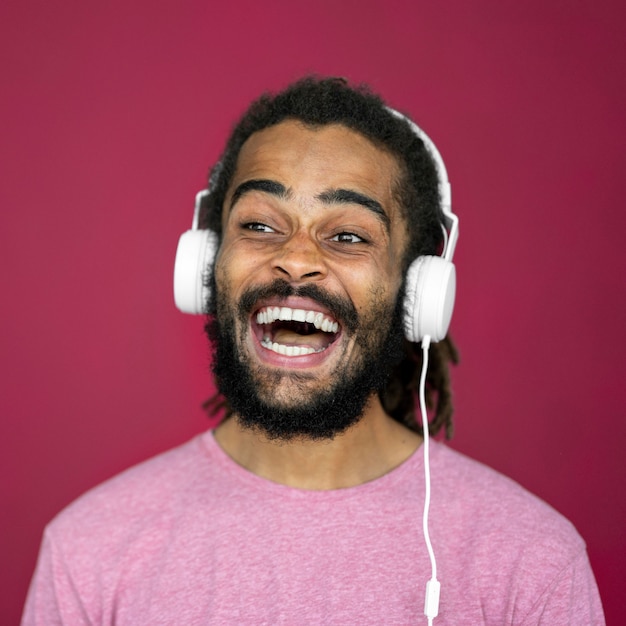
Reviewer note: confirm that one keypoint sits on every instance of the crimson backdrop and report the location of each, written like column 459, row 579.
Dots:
column 112, row 113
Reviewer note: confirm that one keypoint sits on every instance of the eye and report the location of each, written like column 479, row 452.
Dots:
column 258, row 227
column 347, row 238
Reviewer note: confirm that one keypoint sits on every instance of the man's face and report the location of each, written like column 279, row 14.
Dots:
column 307, row 278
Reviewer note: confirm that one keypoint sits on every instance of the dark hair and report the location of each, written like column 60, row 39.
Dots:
column 321, row 101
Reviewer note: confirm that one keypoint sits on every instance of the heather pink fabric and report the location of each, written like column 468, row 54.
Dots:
column 190, row 537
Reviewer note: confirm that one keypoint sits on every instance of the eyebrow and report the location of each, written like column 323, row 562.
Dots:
column 330, row 196
column 267, row 186
column 348, row 196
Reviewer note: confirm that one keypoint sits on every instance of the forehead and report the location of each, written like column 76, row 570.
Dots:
column 311, row 159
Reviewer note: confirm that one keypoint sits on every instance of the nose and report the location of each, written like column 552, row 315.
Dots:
column 300, row 259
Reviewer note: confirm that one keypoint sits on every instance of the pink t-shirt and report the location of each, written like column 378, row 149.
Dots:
column 190, row 537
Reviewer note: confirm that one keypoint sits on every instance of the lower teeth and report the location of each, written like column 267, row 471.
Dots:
column 288, row 350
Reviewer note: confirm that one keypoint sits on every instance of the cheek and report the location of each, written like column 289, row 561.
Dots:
column 237, row 264
column 223, row 286
column 228, row 270
column 368, row 292
column 234, row 272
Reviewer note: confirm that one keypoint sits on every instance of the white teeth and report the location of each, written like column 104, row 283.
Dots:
column 329, row 327
column 285, row 314
column 287, row 350
column 298, row 315
column 270, row 314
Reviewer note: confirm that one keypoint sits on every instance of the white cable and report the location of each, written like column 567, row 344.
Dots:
column 431, row 604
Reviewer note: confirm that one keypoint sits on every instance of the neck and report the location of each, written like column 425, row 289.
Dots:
column 372, row 447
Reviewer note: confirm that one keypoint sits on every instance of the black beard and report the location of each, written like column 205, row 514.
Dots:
column 324, row 413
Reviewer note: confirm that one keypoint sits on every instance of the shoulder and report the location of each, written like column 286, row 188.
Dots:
column 497, row 523
column 150, row 490
column 497, row 503
column 517, row 554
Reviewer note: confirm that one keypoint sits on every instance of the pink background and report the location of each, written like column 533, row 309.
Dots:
column 111, row 114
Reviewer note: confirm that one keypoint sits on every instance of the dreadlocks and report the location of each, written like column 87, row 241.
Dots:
column 319, row 102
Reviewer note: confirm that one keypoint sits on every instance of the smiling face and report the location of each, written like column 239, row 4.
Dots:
column 307, row 278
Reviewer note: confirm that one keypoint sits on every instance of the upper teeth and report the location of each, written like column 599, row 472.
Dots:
column 322, row 322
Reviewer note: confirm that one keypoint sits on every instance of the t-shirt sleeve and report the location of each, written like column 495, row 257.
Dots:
column 52, row 597
column 572, row 599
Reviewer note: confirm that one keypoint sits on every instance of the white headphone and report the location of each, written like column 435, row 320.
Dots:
column 430, row 281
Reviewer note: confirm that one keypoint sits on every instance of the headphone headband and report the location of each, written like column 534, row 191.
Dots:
column 451, row 221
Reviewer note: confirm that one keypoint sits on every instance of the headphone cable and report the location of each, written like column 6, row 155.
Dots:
column 431, row 604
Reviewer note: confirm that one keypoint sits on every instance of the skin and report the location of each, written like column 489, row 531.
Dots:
column 327, row 216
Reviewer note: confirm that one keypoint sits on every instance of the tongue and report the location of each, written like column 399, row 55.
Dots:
column 287, row 337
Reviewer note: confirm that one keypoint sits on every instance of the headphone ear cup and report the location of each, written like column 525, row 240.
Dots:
column 195, row 256
column 429, row 298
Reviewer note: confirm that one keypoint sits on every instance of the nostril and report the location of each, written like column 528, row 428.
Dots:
column 312, row 274
column 294, row 273
column 299, row 268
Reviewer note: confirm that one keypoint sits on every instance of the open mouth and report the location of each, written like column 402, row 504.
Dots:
column 295, row 332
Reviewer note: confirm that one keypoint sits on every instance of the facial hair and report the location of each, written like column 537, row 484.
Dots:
column 314, row 414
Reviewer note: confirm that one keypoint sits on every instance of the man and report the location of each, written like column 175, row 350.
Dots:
column 304, row 505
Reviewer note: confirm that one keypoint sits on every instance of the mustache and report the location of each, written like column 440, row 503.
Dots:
column 340, row 308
